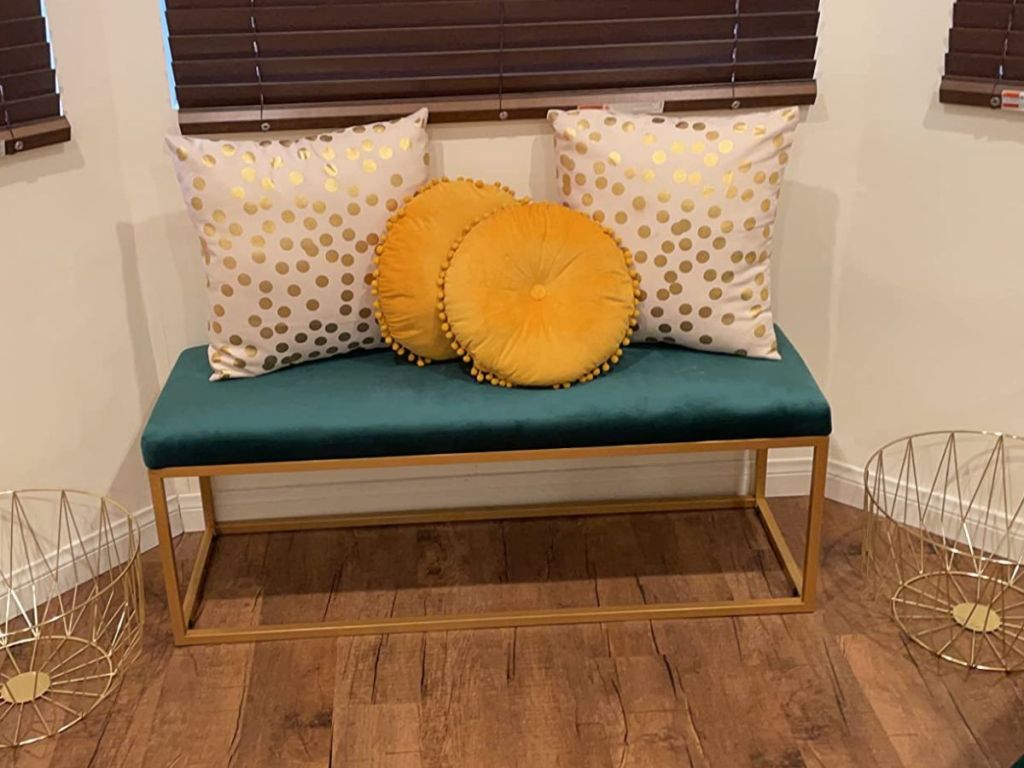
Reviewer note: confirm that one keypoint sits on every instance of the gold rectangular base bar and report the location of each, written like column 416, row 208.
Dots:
column 804, row 580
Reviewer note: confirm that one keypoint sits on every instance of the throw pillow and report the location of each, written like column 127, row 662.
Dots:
column 538, row 295
column 288, row 229
column 418, row 239
column 694, row 199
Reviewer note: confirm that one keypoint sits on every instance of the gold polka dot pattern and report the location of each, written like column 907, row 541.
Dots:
column 695, row 200
column 288, row 231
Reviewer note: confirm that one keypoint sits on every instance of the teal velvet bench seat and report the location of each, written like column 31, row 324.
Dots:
column 370, row 410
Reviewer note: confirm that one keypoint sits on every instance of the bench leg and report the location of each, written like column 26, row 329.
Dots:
column 760, row 473
column 195, row 583
column 805, row 579
column 206, row 494
column 170, row 565
column 771, row 526
column 815, row 517
column 182, row 610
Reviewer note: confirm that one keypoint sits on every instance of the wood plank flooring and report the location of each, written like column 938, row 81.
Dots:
column 837, row 688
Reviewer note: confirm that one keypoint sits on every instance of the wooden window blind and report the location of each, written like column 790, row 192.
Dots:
column 986, row 53
column 30, row 108
column 262, row 64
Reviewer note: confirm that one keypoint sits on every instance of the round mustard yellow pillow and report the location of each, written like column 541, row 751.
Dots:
column 538, row 295
column 418, row 239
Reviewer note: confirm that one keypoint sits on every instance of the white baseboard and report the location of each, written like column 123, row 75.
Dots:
column 190, row 511
column 845, row 483
column 186, row 515
column 360, row 491
column 515, row 483
column 384, row 490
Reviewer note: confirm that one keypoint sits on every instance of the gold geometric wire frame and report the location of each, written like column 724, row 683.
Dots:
column 72, row 601
column 945, row 543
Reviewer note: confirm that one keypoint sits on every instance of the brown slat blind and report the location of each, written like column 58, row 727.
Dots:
column 30, row 108
column 986, row 52
column 245, row 64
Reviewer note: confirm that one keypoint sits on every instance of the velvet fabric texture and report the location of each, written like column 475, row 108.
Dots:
column 537, row 295
column 369, row 404
column 418, row 239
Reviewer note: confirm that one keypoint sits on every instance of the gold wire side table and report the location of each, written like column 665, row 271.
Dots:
column 72, row 597
column 945, row 543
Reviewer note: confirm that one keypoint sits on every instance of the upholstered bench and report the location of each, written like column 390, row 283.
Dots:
column 370, row 410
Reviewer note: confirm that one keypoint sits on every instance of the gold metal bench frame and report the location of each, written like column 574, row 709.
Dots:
column 803, row 580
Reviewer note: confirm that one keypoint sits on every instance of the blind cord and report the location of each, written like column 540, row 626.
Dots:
column 502, row 114
column 4, row 113
column 997, row 96
column 735, row 53
column 264, row 126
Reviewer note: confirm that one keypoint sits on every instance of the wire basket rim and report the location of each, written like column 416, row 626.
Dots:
column 872, row 459
column 122, row 569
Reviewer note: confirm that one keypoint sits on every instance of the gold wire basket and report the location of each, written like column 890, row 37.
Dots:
column 71, row 592
column 945, row 543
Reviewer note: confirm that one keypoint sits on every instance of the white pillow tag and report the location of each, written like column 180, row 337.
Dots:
column 1013, row 101
column 637, row 107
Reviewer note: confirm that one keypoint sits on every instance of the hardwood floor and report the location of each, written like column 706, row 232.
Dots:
column 837, row 688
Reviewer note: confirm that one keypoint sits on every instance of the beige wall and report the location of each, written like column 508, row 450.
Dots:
column 98, row 288
column 927, row 314
column 898, row 271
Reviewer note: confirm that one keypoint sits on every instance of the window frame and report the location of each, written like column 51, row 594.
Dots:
column 220, row 25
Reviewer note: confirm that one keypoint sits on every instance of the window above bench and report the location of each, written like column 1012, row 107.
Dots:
column 30, row 108
column 280, row 64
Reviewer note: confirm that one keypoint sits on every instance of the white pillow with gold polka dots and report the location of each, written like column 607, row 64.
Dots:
column 694, row 199
column 288, row 231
